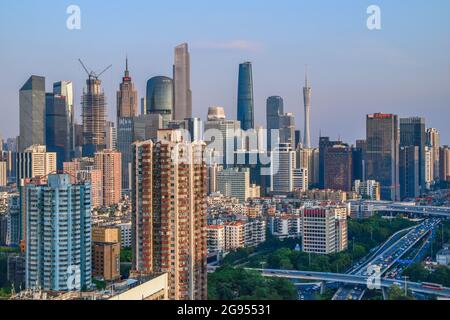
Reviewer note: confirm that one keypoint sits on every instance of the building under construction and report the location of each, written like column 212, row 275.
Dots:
column 94, row 114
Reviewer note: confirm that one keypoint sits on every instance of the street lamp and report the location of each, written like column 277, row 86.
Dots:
column 406, row 286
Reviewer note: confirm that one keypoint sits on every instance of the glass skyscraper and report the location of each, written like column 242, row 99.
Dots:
column 159, row 97
column 245, row 106
column 274, row 109
column 32, row 112
column 57, row 127
column 382, row 153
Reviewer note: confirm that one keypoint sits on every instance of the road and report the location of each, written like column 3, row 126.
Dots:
column 351, row 279
column 386, row 257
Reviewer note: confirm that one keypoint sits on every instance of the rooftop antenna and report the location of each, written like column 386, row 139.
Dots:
column 92, row 73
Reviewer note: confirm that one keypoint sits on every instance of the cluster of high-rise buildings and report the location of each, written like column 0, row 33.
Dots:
column 166, row 162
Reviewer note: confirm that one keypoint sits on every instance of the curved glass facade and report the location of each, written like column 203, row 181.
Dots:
column 245, row 108
column 160, row 97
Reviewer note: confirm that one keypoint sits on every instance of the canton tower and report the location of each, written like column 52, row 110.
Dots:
column 307, row 103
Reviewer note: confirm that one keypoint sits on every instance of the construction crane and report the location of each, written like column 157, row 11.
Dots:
column 92, row 73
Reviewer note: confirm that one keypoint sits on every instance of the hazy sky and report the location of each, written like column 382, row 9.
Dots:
column 403, row 68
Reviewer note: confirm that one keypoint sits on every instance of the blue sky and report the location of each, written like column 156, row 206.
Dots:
column 403, row 68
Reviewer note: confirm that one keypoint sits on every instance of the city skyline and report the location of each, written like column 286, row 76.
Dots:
column 399, row 76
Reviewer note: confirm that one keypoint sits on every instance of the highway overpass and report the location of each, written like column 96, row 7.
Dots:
column 350, row 279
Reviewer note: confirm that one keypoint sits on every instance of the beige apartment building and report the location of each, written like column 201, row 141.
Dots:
column 109, row 163
column 169, row 213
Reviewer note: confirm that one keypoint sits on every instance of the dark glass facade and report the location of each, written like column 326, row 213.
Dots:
column 159, row 97
column 57, row 128
column 413, row 133
column 245, row 106
column 382, row 153
column 274, row 109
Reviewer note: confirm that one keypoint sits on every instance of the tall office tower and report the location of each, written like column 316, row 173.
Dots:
column 309, row 159
column 58, row 242
column 182, row 83
column 287, row 129
column 58, row 127
column 338, row 168
column 358, row 162
column 409, row 172
column 94, row 117
column 324, row 229
column 35, row 162
column 129, row 130
column 444, row 163
column 221, row 136
column 127, row 98
column 169, row 213
column 429, row 167
column 413, row 133
column 110, row 135
column 159, row 97
column 324, row 144
column 245, row 105
column 3, row 175
column 298, row 138
column 65, row 89
column 143, row 105
column 382, row 153
column 235, row 183
column 274, row 109
column 434, row 143
column 110, row 164
column 282, row 169
column 32, row 112
column 307, row 104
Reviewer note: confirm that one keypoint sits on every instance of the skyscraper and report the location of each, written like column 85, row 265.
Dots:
column 338, row 168
column 65, row 89
column 182, row 83
column 324, row 144
column 409, row 172
column 413, row 133
column 434, row 142
column 169, row 213
column 274, row 109
column 382, row 153
column 245, row 105
column 94, row 117
column 32, row 112
column 159, row 97
column 282, row 169
column 127, row 99
column 58, row 241
column 307, row 103
column 110, row 136
column 225, row 144
column 108, row 162
column 58, row 127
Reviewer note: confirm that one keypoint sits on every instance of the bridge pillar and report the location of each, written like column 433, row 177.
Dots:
column 385, row 295
column 322, row 287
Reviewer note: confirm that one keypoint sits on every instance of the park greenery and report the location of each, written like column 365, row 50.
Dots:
column 229, row 283
column 363, row 235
